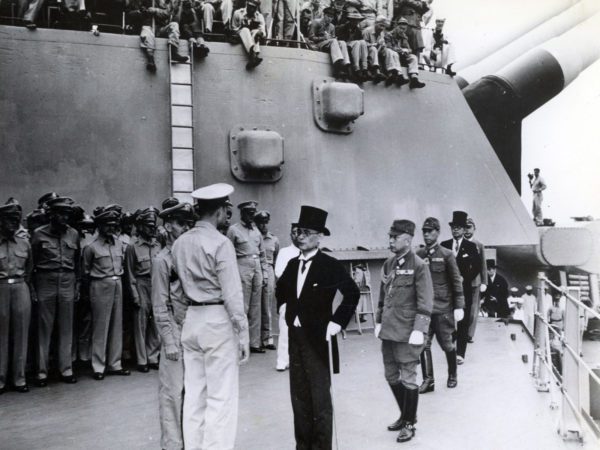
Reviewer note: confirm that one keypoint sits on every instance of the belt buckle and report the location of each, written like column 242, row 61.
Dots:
column 12, row 281
column 114, row 277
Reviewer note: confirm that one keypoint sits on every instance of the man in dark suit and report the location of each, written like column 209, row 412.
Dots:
column 308, row 286
column 469, row 264
column 496, row 297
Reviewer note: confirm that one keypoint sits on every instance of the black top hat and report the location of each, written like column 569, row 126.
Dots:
column 459, row 218
column 491, row 263
column 313, row 219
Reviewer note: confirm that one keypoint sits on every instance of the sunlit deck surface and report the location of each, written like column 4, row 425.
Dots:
column 495, row 405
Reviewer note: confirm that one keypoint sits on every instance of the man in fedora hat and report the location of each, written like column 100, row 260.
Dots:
column 469, row 264
column 496, row 297
column 402, row 319
column 214, row 336
column 55, row 249
column 169, row 307
column 15, row 298
column 307, row 287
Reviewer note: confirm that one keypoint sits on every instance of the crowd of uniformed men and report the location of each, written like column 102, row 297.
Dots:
column 77, row 270
column 378, row 40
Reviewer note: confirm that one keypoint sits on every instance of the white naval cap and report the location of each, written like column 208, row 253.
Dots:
column 213, row 191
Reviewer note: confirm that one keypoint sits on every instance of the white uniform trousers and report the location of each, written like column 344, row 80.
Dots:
column 283, row 356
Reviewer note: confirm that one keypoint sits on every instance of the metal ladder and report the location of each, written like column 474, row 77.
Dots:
column 182, row 124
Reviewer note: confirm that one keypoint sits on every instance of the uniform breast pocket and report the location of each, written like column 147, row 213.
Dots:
column 21, row 258
column 70, row 249
column 144, row 263
column 437, row 266
column 404, row 281
column 50, row 250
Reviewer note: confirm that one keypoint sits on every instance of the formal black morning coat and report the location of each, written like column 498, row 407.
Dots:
column 325, row 277
column 467, row 259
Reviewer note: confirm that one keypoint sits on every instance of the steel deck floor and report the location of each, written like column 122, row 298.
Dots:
column 495, row 405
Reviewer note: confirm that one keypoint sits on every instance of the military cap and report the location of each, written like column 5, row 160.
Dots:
column 431, row 223
column 402, row 21
column 353, row 13
column 86, row 221
column 11, row 209
column 47, row 196
column 491, row 263
column 110, row 217
column 15, row 202
column 114, row 207
column 514, row 290
column 329, row 10
column 127, row 217
column 253, row 2
column 169, row 202
column 382, row 19
column 529, row 287
column 440, row 20
column 262, row 216
column 97, row 211
column 213, row 192
column 470, row 221
column 181, row 210
column 60, row 203
column 147, row 215
column 37, row 215
column 250, row 204
column 402, row 227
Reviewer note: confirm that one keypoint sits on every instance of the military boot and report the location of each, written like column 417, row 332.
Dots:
column 399, row 393
column 452, row 379
column 409, row 416
column 428, row 384
column 376, row 75
column 176, row 56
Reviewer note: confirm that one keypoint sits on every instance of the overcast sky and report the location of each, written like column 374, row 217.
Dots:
column 562, row 138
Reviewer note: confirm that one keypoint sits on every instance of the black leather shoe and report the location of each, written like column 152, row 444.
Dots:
column 69, row 379
column 98, row 376
column 416, row 84
column 470, row 341
column 122, row 372
column 407, row 432
column 428, row 385
column 143, row 368
column 270, row 347
column 396, row 426
column 41, row 382
column 22, row 389
column 153, row 366
column 257, row 350
column 452, row 381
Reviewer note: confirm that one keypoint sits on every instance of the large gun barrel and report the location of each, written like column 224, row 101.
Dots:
column 501, row 101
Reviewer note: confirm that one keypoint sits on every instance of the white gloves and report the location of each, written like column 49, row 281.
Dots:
column 297, row 322
column 282, row 310
column 332, row 329
column 482, row 288
column 459, row 314
column 377, row 329
column 416, row 338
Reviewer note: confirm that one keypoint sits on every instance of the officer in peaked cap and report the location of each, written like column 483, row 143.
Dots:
column 448, row 303
column 406, row 286
column 169, row 307
column 168, row 203
column 56, row 255
column 250, row 253
column 22, row 231
column 15, row 298
column 138, row 264
column 103, row 268
column 215, row 330
column 44, row 199
column 271, row 246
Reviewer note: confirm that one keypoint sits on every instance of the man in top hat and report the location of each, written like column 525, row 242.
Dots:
column 479, row 284
column 252, row 263
column 448, row 303
column 271, row 246
column 402, row 319
column 138, row 259
column 169, row 307
column 102, row 270
column 214, row 336
column 249, row 24
column 56, row 256
column 323, row 36
column 308, row 286
column 469, row 264
column 496, row 296
column 15, row 299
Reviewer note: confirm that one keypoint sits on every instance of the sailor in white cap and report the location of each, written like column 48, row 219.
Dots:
column 529, row 306
column 214, row 336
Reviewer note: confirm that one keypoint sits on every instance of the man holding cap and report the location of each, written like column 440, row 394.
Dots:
column 56, row 257
column 308, row 286
column 169, row 308
column 249, row 24
column 15, row 301
column 138, row 257
column 402, row 319
column 448, row 303
column 249, row 250
column 102, row 269
column 214, row 336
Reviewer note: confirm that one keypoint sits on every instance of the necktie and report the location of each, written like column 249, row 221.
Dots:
column 455, row 247
column 304, row 263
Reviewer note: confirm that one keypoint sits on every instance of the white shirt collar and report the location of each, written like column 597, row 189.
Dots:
column 310, row 254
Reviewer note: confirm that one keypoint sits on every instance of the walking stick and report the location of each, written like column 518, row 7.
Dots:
column 331, row 392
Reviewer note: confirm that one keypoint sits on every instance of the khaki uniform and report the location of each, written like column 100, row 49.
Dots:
column 15, row 307
column 55, row 260
column 83, row 312
column 271, row 246
column 103, row 266
column 138, row 258
column 205, row 263
column 252, row 264
column 247, row 28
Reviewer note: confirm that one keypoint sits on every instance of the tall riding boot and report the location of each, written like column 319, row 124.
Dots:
column 399, row 392
column 428, row 384
column 409, row 415
column 452, row 379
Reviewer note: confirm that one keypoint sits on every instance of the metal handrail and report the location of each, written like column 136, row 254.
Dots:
column 570, row 297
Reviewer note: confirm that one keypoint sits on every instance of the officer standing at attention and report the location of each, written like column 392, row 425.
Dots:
column 403, row 317
column 448, row 303
column 138, row 257
column 102, row 269
column 15, row 302
column 56, row 256
column 469, row 264
column 214, row 336
column 271, row 246
column 252, row 264
column 169, row 308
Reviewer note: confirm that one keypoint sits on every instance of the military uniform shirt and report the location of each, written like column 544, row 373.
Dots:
column 138, row 261
column 247, row 241
column 15, row 257
column 103, row 257
column 271, row 246
column 205, row 262
column 54, row 252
